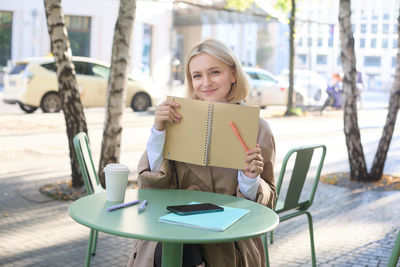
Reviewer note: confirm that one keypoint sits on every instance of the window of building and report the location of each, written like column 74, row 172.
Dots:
column 330, row 41
column 374, row 14
column 79, row 34
column 309, row 42
column 374, row 28
column 385, row 28
column 353, row 28
column 363, row 14
column 319, row 42
column 385, row 43
column 320, row 28
column 372, row 61
column 373, row 43
column 362, row 42
column 363, row 28
column 146, row 52
column 393, row 62
column 322, row 59
column 302, row 58
column 394, row 28
column 5, row 37
column 395, row 43
column 386, row 15
column 300, row 42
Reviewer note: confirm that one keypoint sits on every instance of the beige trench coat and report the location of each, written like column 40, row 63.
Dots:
column 212, row 179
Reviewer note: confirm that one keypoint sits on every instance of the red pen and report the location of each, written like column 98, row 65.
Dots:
column 235, row 130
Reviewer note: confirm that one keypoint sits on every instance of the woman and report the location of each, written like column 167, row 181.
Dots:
column 213, row 74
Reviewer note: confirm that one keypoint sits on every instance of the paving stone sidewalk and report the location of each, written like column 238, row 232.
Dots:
column 351, row 227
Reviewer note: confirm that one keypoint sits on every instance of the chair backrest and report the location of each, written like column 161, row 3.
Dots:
column 303, row 158
column 82, row 149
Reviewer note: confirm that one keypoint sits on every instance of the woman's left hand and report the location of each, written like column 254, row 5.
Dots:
column 255, row 162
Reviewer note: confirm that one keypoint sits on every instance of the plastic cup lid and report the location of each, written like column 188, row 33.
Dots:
column 116, row 167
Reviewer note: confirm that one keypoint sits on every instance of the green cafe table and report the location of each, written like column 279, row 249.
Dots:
column 127, row 222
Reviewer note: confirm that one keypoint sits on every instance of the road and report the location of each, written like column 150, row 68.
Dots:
column 41, row 137
column 37, row 142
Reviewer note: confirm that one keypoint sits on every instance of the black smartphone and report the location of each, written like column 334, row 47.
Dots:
column 194, row 208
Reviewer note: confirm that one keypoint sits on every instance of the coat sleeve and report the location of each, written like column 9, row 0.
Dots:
column 266, row 193
column 164, row 178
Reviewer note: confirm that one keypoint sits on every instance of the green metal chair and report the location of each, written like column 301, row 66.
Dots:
column 394, row 258
column 92, row 183
column 290, row 205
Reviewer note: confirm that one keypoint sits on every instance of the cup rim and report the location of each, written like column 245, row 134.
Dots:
column 116, row 167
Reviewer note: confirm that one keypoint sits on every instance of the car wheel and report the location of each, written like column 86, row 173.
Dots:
column 27, row 108
column 140, row 102
column 51, row 102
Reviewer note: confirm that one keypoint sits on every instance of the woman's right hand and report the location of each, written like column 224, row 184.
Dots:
column 166, row 112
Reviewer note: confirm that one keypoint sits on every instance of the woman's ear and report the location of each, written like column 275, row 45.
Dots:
column 233, row 80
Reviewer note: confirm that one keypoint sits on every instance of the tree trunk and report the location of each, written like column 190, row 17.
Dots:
column 289, row 110
column 387, row 133
column 358, row 169
column 117, row 82
column 67, row 86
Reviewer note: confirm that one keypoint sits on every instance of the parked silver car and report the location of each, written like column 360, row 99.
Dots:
column 264, row 88
column 267, row 89
column 310, row 86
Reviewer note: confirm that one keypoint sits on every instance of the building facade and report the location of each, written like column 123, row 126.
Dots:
column 374, row 25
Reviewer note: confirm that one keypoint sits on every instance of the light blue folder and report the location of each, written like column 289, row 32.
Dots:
column 217, row 221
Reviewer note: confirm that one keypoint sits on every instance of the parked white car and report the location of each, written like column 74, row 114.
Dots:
column 310, row 86
column 32, row 83
column 267, row 89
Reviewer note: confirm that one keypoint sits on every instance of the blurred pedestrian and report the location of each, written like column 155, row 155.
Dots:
column 335, row 92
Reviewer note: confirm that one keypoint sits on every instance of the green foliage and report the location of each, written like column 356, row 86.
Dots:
column 294, row 112
column 284, row 5
column 239, row 4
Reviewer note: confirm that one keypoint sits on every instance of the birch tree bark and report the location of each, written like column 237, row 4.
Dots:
column 292, row 20
column 117, row 82
column 358, row 169
column 387, row 133
column 67, row 86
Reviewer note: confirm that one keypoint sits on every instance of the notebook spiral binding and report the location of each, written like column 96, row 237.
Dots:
column 207, row 145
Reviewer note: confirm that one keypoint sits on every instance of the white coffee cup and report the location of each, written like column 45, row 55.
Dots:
column 116, row 181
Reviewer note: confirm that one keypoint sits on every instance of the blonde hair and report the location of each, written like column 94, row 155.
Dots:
column 220, row 51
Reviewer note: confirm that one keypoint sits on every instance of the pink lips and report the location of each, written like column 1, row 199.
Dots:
column 209, row 92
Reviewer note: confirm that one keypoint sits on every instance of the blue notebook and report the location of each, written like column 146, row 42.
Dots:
column 217, row 221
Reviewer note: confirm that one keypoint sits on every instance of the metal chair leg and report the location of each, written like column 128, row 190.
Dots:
column 271, row 238
column 94, row 244
column 264, row 240
column 89, row 248
column 310, row 225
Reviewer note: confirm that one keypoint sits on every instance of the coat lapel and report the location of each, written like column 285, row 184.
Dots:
column 204, row 174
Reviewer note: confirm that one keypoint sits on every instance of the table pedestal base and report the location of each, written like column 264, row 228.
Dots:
column 171, row 254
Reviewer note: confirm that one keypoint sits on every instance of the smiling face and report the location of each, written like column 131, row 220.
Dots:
column 211, row 78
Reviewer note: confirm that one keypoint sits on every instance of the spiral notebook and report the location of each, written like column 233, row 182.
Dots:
column 204, row 135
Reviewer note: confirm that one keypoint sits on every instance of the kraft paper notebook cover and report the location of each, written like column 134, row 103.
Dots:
column 216, row 221
column 204, row 135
